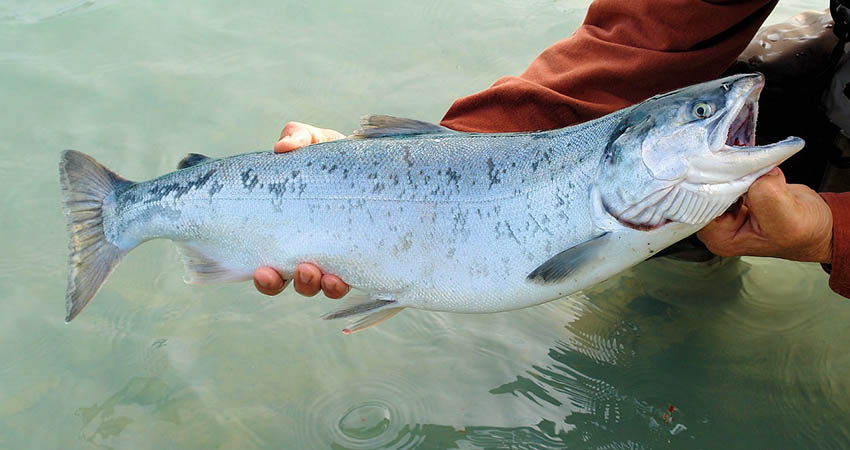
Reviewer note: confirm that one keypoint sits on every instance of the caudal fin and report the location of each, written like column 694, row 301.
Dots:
column 85, row 185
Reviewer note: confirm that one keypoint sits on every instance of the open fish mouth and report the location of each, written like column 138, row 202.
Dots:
column 741, row 126
column 735, row 155
column 738, row 128
column 742, row 132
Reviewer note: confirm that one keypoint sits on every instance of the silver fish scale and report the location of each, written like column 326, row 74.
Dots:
column 452, row 222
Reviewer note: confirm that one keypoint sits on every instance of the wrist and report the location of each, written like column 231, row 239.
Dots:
column 823, row 249
column 827, row 242
column 839, row 205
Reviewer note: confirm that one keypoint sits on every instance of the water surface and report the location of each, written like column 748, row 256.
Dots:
column 750, row 353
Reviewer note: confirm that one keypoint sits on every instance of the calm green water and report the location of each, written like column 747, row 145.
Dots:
column 752, row 353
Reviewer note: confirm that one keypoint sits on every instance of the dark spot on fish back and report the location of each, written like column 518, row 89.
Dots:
column 215, row 188
column 278, row 189
column 158, row 192
column 249, row 181
column 492, row 172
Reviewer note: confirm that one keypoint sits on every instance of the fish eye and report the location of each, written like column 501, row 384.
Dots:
column 702, row 110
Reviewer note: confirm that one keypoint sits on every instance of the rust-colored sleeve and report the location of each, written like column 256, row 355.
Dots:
column 839, row 275
column 624, row 52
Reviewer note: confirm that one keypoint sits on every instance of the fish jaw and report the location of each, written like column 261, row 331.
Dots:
column 738, row 166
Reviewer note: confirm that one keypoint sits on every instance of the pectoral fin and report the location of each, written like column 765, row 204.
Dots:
column 562, row 265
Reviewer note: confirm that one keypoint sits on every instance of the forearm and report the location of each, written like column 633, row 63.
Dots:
column 839, row 277
column 623, row 53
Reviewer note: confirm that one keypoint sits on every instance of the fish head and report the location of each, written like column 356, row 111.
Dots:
column 687, row 155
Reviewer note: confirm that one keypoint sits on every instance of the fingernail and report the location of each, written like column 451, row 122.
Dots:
column 263, row 284
column 305, row 278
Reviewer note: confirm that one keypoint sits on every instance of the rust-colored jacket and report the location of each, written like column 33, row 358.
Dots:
column 623, row 53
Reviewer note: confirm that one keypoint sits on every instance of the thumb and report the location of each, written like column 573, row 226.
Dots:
column 773, row 208
column 296, row 135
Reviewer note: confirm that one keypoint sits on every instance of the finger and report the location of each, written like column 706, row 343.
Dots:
column 268, row 281
column 721, row 233
column 775, row 210
column 308, row 279
column 327, row 135
column 333, row 286
column 290, row 128
column 297, row 135
column 726, row 224
column 770, row 186
column 794, row 219
column 294, row 135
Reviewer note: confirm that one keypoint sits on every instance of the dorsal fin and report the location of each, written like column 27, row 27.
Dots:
column 192, row 159
column 383, row 126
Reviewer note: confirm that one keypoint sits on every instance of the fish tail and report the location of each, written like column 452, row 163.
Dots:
column 85, row 186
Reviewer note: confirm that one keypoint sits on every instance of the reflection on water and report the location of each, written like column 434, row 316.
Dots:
column 705, row 361
column 649, row 364
column 147, row 392
column 730, row 354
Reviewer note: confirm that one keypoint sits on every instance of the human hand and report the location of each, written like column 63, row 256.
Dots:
column 776, row 219
column 308, row 278
column 296, row 135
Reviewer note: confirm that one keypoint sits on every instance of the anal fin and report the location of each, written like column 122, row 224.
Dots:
column 202, row 269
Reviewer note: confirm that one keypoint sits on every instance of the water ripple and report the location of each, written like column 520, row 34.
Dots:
column 378, row 411
column 35, row 15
